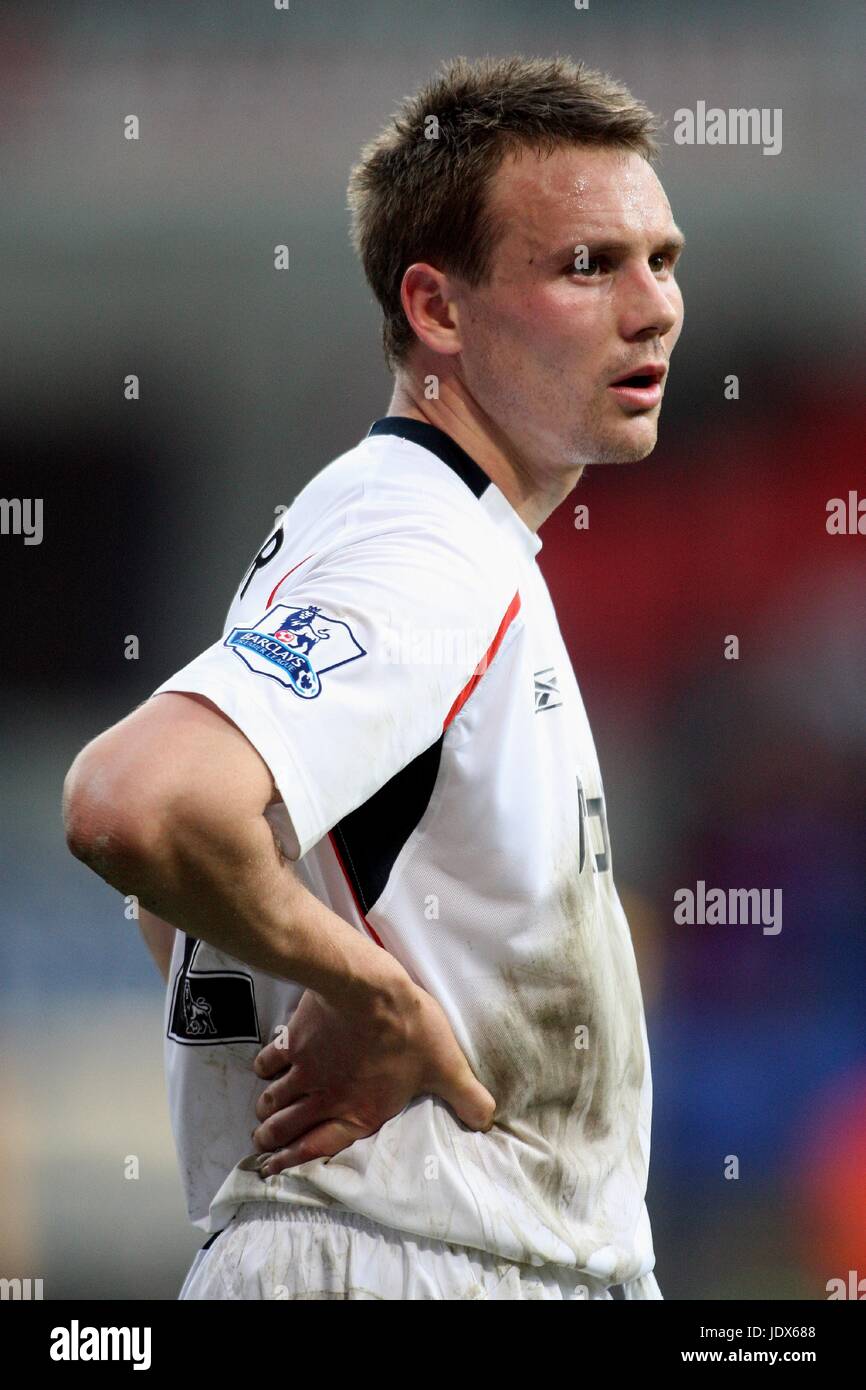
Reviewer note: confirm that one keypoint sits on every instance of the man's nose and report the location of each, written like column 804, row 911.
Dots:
column 647, row 309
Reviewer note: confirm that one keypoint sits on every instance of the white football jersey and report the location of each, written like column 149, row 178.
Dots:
column 394, row 655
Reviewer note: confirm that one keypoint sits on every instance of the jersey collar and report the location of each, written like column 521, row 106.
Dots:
column 439, row 443
column 432, row 438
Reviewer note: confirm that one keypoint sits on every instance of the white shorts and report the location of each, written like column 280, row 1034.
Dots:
column 279, row 1251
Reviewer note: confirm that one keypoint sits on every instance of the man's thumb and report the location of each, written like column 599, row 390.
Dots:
column 471, row 1102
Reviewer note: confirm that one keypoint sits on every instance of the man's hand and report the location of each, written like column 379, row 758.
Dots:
column 344, row 1072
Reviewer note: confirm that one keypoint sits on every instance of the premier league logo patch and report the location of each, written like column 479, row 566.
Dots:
column 295, row 646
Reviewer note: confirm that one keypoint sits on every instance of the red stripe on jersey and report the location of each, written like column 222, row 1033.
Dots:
column 510, row 614
column 348, row 879
column 286, row 575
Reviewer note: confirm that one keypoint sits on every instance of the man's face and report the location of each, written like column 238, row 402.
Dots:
column 543, row 341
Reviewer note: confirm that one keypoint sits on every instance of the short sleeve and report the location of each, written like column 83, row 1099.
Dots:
column 358, row 664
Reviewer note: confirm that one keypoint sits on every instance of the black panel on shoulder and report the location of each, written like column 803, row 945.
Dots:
column 370, row 837
column 439, row 443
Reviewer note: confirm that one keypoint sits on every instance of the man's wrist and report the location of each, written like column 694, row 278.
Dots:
column 378, row 985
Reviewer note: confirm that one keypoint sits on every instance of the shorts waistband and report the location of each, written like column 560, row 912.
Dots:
column 315, row 1215
column 302, row 1214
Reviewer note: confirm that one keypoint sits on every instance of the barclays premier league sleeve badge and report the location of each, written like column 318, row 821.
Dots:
column 295, row 646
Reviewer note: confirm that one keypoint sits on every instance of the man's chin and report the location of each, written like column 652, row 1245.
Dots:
column 629, row 446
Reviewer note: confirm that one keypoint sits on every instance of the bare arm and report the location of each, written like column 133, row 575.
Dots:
column 159, row 938
column 169, row 805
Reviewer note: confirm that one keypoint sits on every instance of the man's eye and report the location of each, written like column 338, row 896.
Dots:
column 660, row 262
column 587, row 267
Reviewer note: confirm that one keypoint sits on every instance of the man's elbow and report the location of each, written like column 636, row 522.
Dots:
column 108, row 825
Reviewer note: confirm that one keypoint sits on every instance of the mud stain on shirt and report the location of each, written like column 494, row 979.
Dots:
column 563, row 1055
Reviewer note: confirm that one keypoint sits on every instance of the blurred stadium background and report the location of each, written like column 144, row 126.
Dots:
column 155, row 257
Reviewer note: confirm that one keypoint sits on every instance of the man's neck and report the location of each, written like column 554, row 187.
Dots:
column 533, row 497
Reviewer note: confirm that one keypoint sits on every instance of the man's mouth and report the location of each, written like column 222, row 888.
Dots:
column 642, row 388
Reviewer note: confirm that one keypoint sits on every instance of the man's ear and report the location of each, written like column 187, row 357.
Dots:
column 429, row 307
